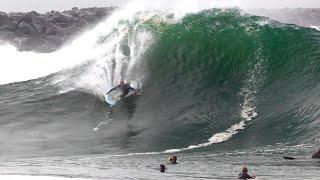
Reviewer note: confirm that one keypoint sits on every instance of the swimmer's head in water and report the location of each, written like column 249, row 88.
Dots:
column 244, row 169
column 162, row 168
column 174, row 159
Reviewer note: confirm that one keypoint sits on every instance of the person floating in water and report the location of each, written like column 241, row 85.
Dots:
column 289, row 158
column 173, row 160
column 125, row 88
column 162, row 168
column 316, row 155
column 244, row 174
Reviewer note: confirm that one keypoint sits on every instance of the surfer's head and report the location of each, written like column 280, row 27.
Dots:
column 122, row 82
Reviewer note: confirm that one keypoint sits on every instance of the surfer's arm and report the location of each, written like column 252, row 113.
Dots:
column 111, row 90
column 131, row 88
column 136, row 91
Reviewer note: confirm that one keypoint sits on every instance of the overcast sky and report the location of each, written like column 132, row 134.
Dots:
column 47, row 5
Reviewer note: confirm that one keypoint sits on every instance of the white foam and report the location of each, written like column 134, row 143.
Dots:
column 315, row 27
column 112, row 64
column 21, row 66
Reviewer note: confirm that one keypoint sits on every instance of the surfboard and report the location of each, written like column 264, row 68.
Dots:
column 113, row 97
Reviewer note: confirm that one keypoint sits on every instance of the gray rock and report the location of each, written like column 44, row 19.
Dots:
column 4, row 18
column 47, row 32
column 62, row 20
column 25, row 28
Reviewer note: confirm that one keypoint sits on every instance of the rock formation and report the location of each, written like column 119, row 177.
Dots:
column 47, row 32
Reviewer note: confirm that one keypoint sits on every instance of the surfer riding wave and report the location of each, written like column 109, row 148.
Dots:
column 119, row 92
column 125, row 88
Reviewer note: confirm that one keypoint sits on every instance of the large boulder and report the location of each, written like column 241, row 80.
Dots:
column 26, row 28
column 100, row 13
column 26, row 18
column 47, row 32
column 4, row 18
column 6, row 35
column 62, row 20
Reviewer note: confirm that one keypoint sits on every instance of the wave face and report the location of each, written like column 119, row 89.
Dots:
column 215, row 79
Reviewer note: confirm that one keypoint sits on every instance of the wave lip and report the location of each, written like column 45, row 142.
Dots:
column 18, row 66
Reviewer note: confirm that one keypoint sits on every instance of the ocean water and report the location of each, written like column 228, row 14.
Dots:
column 221, row 89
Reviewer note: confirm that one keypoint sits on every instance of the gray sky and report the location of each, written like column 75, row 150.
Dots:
column 47, row 5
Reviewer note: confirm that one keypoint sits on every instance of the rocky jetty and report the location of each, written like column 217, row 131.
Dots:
column 47, row 32
column 300, row 16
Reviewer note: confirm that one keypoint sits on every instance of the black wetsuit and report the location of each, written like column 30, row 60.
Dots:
column 244, row 176
column 316, row 155
column 125, row 89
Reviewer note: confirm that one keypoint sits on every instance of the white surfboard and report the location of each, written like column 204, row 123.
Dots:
column 113, row 97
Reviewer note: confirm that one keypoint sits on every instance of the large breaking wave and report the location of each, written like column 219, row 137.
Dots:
column 217, row 76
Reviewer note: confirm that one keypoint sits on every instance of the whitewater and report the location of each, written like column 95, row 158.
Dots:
column 85, row 48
